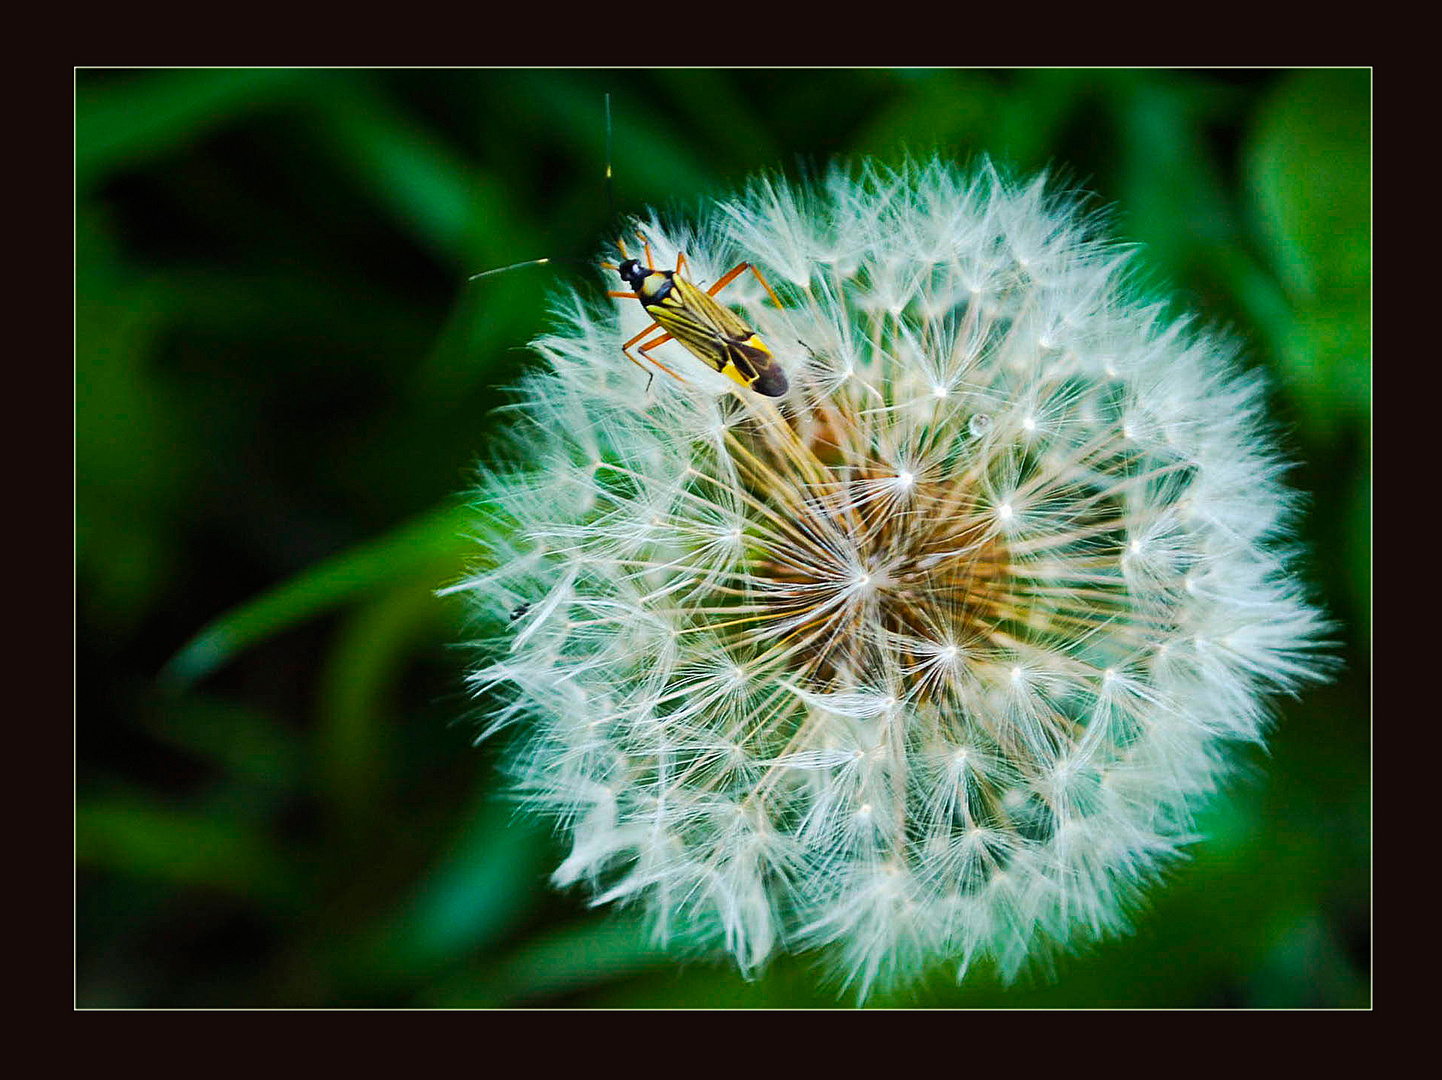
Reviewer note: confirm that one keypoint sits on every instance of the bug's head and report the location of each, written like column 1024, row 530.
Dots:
column 632, row 273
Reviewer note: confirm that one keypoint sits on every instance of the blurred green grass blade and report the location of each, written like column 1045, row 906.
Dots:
column 118, row 125
column 718, row 116
column 358, row 696
column 1172, row 186
column 426, row 550
column 1307, row 954
column 1028, row 121
column 255, row 751
column 1359, row 534
column 598, row 950
column 788, row 982
column 488, row 880
column 1308, row 163
column 948, row 112
column 473, row 896
column 426, row 182
column 134, row 450
column 128, row 836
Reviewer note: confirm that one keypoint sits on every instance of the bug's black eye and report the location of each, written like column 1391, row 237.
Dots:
column 629, row 270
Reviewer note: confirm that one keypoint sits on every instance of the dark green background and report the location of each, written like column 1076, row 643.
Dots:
column 283, row 380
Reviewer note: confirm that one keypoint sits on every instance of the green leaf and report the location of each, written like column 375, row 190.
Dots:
column 1172, row 188
column 488, row 879
column 357, row 694
column 122, row 125
column 425, row 182
column 134, row 453
column 129, row 836
column 948, row 112
column 1308, row 163
column 575, row 958
column 486, row 882
column 255, row 751
column 427, row 549
column 1359, row 532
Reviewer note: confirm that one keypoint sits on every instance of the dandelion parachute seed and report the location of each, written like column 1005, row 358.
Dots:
column 932, row 658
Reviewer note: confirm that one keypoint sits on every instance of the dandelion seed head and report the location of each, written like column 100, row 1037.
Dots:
column 931, row 659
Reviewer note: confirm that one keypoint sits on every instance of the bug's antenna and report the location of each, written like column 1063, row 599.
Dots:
column 610, row 187
column 610, row 204
column 513, row 266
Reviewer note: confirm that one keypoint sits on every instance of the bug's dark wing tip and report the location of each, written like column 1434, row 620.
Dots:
column 771, row 381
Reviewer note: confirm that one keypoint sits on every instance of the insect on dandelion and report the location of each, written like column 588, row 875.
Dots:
column 932, row 655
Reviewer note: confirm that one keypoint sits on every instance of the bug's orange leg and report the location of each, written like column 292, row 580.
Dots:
column 727, row 278
column 732, row 274
column 653, row 344
column 649, row 345
column 627, row 296
column 650, row 372
column 764, row 283
column 680, row 262
column 650, row 263
column 638, row 337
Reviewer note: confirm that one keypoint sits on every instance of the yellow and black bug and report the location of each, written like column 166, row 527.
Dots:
column 709, row 331
column 682, row 312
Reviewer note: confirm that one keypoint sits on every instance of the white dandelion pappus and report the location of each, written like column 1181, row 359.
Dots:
column 932, row 658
